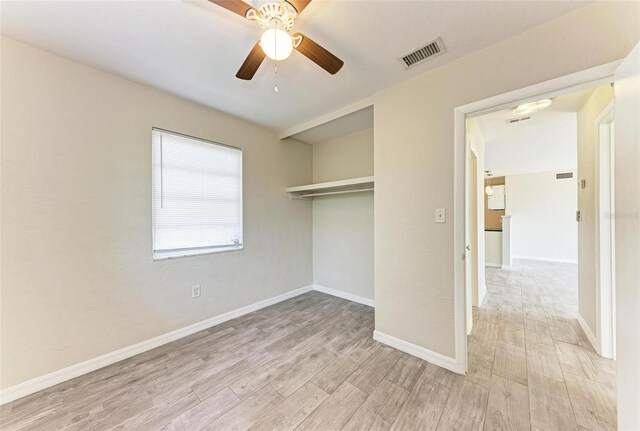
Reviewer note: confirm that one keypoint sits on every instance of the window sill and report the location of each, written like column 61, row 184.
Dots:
column 165, row 255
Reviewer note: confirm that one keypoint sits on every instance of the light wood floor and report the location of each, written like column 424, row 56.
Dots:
column 529, row 352
column 310, row 364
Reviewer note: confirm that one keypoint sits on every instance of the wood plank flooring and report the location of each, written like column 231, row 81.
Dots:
column 310, row 363
column 545, row 375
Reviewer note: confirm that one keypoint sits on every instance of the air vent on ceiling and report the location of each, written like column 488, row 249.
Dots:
column 564, row 175
column 419, row 55
column 518, row 120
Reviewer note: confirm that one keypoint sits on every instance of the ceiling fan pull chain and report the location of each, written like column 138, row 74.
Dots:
column 275, row 88
column 275, row 62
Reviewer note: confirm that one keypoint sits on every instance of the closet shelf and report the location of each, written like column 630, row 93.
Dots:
column 352, row 185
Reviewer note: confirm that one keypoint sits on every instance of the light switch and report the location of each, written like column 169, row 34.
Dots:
column 441, row 215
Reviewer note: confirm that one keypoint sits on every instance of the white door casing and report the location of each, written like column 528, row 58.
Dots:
column 573, row 82
column 605, row 231
column 627, row 238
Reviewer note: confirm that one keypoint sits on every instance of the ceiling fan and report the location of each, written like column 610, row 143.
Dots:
column 276, row 19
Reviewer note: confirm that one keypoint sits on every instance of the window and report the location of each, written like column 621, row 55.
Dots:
column 197, row 196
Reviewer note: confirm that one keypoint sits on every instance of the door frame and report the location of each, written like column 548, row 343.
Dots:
column 605, row 235
column 573, row 82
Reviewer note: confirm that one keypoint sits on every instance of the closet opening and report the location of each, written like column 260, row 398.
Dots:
column 341, row 196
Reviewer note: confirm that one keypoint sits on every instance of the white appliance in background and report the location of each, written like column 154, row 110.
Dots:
column 496, row 201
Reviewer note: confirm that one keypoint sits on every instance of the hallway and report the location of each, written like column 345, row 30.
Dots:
column 528, row 349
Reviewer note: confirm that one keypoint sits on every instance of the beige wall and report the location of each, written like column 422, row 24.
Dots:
column 543, row 217
column 349, row 156
column 587, row 246
column 78, row 280
column 343, row 224
column 414, row 159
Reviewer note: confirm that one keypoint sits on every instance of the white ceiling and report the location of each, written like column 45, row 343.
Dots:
column 545, row 143
column 341, row 126
column 194, row 49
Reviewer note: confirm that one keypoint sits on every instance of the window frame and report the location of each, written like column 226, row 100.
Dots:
column 196, row 251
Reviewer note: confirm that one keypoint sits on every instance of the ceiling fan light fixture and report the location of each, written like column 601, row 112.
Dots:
column 530, row 108
column 276, row 44
column 277, row 18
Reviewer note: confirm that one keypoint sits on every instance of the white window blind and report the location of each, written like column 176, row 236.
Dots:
column 197, row 196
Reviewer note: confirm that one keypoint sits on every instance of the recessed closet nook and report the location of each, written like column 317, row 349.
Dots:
column 342, row 199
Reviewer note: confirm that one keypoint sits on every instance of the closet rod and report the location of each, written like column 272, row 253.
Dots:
column 335, row 193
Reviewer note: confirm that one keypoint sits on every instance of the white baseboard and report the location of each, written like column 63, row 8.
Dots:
column 493, row 265
column 39, row 383
column 345, row 295
column 547, row 259
column 589, row 333
column 505, row 266
column 482, row 293
column 419, row 352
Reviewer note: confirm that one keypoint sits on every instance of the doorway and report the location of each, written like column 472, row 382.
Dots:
column 531, row 308
column 626, row 128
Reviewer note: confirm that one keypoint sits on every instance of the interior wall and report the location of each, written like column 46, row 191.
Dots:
column 543, row 217
column 349, row 156
column 79, row 280
column 587, row 243
column 414, row 159
column 343, row 224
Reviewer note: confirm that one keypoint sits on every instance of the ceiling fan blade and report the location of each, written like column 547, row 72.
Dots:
column 318, row 54
column 236, row 6
column 251, row 63
column 299, row 5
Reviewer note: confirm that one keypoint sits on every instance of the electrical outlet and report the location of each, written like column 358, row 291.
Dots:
column 195, row 291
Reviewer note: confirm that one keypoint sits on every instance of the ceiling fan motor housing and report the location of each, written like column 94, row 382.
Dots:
column 282, row 14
